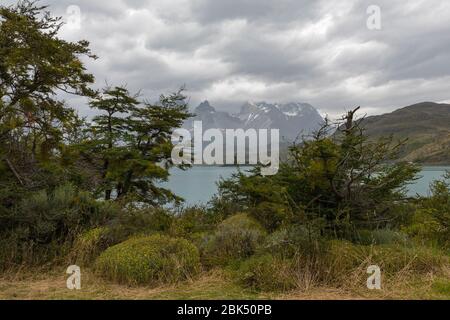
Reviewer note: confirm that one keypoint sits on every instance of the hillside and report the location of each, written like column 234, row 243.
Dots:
column 426, row 126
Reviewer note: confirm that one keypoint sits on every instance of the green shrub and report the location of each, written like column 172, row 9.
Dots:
column 267, row 273
column 431, row 221
column 235, row 238
column 223, row 207
column 43, row 226
column 442, row 287
column 418, row 260
column 61, row 214
column 381, row 236
column 271, row 215
column 293, row 241
column 88, row 246
column 138, row 222
column 345, row 259
column 16, row 253
column 149, row 260
column 194, row 220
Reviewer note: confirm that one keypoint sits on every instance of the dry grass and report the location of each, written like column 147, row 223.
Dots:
column 213, row 285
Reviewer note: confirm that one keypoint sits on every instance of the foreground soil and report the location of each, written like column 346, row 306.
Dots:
column 214, row 285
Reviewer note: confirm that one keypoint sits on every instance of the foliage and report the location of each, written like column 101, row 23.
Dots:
column 267, row 273
column 130, row 145
column 431, row 221
column 340, row 182
column 381, row 236
column 88, row 246
column 345, row 259
column 223, row 207
column 257, row 194
column 150, row 260
column 138, row 222
column 44, row 225
column 342, row 264
column 35, row 65
column 61, row 214
column 194, row 220
column 54, row 166
column 125, row 152
column 294, row 240
column 235, row 238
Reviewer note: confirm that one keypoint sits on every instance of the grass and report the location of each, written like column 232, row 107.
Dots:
column 215, row 284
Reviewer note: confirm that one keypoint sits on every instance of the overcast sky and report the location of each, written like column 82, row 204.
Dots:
column 230, row 51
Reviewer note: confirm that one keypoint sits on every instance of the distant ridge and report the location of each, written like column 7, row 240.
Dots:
column 426, row 125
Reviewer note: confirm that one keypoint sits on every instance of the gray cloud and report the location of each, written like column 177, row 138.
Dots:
column 231, row 51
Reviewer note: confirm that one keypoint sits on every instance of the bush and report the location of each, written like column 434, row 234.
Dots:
column 88, row 246
column 43, row 226
column 425, row 228
column 345, row 260
column 431, row 221
column 342, row 264
column 271, row 215
column 381, row 236
column 235, row 238
column 61, row 214
column 138, row 222
column 16, row 253
column 149, row 260
column 223, row 207
column 194, row 220
column 294, row 240
column 267, row 273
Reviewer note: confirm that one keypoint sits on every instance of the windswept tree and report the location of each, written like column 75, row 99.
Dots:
column 36, row 66
column 110, row 130
column 130, row 144
column 339, row 181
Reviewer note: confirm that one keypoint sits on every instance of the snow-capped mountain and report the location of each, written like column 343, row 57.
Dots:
column 292, row 119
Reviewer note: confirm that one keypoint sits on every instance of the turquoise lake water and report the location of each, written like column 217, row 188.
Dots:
column 198, row 184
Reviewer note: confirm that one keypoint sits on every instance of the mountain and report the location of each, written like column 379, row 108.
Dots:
column 212, row 118
column 426, row 125
column 292, row 119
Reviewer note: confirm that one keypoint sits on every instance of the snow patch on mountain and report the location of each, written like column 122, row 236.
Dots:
column 292, row 119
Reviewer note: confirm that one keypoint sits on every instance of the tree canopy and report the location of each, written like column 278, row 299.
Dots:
column 121, row 154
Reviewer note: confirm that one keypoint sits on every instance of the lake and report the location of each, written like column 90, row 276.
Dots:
column 198, row 184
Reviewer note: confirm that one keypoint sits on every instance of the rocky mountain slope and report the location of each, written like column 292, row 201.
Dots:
column 426, row 125
column 292, row 119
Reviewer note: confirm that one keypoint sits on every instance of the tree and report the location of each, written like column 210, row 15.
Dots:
column 110, row 131
column 36, row 66
column 338, row 181
column 131, row 145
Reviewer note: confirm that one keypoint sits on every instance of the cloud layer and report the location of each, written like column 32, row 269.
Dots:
column 230, row 51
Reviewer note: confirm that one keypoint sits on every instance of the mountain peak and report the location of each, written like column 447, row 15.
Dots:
column 291, row 119
column 250, row 107
column 205, row 107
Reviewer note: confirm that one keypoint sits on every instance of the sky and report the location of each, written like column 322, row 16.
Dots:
column 334, row 55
